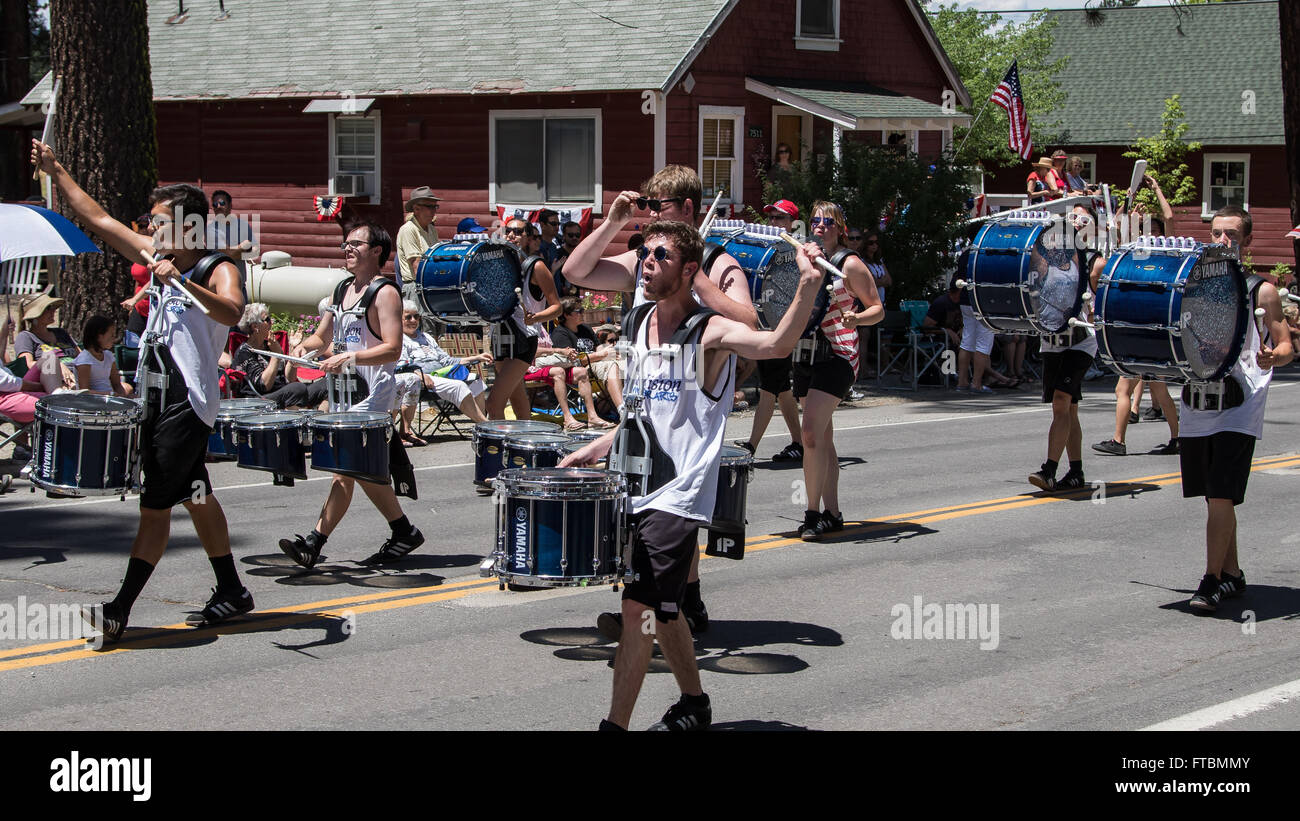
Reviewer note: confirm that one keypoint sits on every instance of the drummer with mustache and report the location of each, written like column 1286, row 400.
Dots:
column 686, row 416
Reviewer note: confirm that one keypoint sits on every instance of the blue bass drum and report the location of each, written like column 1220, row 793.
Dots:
column 560, row 527
column 1175, row 313
column 474, row 281
column 769, row 264
column 86, row 445
column 274, row 442
column 352, row 443
column 488, row 442
column 221, row 444
column 1019, row 283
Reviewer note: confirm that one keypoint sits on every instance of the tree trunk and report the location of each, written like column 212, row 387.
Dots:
column 104, row 134
column 1288, row 12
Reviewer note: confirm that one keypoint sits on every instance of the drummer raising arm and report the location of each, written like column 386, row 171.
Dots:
column 173, row 440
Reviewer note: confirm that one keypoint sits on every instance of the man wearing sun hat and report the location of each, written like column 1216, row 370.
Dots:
column 417, row 234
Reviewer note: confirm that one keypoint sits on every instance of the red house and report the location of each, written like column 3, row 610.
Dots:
column 523, row 103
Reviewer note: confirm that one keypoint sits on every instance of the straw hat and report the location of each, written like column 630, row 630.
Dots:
column 1043, row 162
column 33, row 308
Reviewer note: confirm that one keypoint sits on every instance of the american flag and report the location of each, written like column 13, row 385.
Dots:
column 1007, row 96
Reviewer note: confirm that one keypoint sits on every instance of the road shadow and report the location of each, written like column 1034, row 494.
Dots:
column 756, row 726
column 1098, row 491
column 50, row 536
column 402, row 574
column 337, row 629
column 1260, row 602
column 724, row 648
column 867, row 532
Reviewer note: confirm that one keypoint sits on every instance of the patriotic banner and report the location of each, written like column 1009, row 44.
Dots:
column 328, row 208
column 582, row 216
column 1008, row 97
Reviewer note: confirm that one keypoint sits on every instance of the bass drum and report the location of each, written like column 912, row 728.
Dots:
column 469, row 281
column 769, row 264
column 1019, row 283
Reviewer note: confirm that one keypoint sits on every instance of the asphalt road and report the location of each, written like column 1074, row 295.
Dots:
column 1077, row 603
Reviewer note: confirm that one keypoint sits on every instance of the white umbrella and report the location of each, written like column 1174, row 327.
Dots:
column 32, row 231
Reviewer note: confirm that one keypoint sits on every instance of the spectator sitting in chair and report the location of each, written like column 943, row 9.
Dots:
column 271, row 377
column 558, row 366
column 96, row 367
column 422, row 360
column 17, row 397
column 39, row 339
column 572, row 333
column 945, row 315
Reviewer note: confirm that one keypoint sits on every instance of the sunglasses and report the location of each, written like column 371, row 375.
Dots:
column 573, row 236
column 827, row 221
column 409, row 317
column 656, row 205
column 660, row 253
column 220, row 203
column 352, row 243
column 855, row 238
column 520, row 230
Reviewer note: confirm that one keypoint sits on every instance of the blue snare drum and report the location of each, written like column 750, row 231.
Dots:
column 488, row 441
column 534, row 450
column 274, row 442
column 560, row 527
column 734, row 475
column 472, row 280
column 1175, row 313
column 221, row 444
column 352, row 443
column 769, row 264
column 1019, row 283
column 86, row 445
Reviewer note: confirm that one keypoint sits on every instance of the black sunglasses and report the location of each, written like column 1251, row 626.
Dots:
column 573, row 236
column 855, row 238
column 655, row 205
column 660, row 253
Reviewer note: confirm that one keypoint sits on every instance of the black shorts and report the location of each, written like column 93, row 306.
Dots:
column 1216, row 466
column 1063, row 371
column 774, row 375
column 662, row 547
column 525, row 346
column 173, row 446
column 833, row 376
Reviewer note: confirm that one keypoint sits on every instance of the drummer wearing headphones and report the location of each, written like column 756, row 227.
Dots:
column 685, row 418
column 1217, row 446
column 363, row 331
column 173, row 438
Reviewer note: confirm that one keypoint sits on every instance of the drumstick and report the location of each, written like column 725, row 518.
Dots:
column 311, row 362
column 708, row 218
column 149, row 260
column 1259, row 321
column 49, row 118
column 822, row 261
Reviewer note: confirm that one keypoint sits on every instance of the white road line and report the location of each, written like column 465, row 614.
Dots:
column 1231, row 710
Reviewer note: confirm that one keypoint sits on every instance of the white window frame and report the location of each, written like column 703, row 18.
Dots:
column 736, row 114
column 913, row 138
column 1206, row 211
column 334, row 160
column 1089, row 161
column 805, row 127
column 598, row 198
column 817, row 42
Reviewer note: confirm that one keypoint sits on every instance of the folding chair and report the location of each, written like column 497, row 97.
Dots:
column 921, row 345
column 20, row 276
column 895, row 325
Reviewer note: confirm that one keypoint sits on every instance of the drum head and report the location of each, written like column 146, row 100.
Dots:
column 274, row 420
column 536, row 441
column 1214, row 317
column 231, row 408
column 500, row 429
column 564, row 483
column 351, row 419
column 72, row 407
column 1024, row 278
column 775, row 286
column 492, row 269
column 732, row 455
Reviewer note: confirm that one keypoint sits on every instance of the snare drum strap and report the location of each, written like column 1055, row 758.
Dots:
column 367, row 298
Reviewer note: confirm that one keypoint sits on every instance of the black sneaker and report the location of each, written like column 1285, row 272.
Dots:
column 793, row 452
column 1133, row 418
column 744, row 443
column 610, row 625
column 396, row 547
column 607, row 726
column 108, row 619
column 300, row 551
column 697, row 618
column 686, row 716
column 1072, row 480
column 1153, row 414
column 1169, row 449
column 220, row 607
column 1230, row 587
column 1043, row 480
column 832, row 523
column 813, row 526
column 1207, row 595
column 1112, row 447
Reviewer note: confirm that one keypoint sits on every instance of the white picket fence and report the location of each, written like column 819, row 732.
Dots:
column 20, row 276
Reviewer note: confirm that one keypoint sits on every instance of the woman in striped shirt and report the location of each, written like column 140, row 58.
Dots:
column 826, row 380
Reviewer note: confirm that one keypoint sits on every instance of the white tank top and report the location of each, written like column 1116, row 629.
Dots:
column 688, row 423
column 195, row 342
column 1248, row 417
column 352, row 333
column 530, row 305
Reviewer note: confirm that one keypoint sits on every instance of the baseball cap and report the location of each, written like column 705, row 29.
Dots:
column 469, row 225
column 783, row 206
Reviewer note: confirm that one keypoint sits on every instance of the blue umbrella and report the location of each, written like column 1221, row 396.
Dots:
column 31, row 231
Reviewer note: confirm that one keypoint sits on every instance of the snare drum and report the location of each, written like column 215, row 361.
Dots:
column 488, row 441
column 473, row 281
column 1019, row 284
column 275, row 442
column 1175, row 314
column 534, row 450
column 769, row 264
column 734, row 476
column 352, row 443
column 560, row 527
column 221, row 444
column 87, row 445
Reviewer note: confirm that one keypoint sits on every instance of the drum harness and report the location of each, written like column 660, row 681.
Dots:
column 344, row 388
column 815, row 347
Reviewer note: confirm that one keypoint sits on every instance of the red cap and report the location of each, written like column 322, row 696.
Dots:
column 785, row 207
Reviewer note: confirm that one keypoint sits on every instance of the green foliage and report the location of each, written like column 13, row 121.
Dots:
column 1282, row 272
column 924, row 210
column 1166, row 153
column 982, row 47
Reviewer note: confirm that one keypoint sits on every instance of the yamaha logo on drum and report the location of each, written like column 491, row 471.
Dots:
column 489, row 256
column 521, row 536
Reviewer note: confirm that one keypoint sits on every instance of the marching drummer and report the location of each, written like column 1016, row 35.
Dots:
column 364, row 328
column 174, row 437
column 685, row 417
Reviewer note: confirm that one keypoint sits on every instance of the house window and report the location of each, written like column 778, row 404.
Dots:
column 721, row 140
column 354, row 156
column 817, row 25
column 545, row 157
column 1227, row 182
column 1089, row 172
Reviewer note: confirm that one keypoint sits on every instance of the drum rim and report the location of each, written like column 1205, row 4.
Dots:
column 122, row 412
column 532, row 482
column 376, row 419
column 251, row 421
